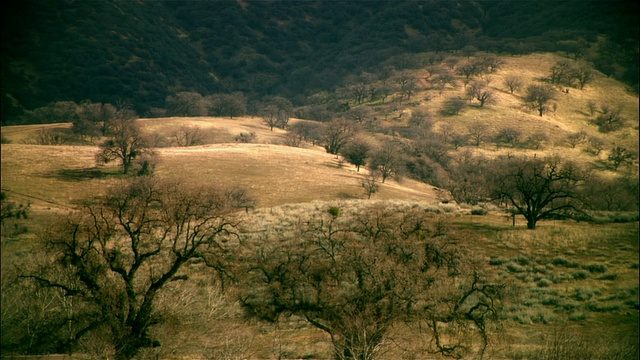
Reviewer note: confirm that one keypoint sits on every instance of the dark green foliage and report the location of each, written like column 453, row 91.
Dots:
column 146, row 51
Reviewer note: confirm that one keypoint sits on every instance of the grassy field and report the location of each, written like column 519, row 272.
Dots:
column 571, row 284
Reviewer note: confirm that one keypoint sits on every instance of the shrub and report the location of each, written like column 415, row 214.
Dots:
column 580, row 275
column 560, row 278
column 479, row 211
column 515, row 268
column 596, row 268
column 544, row 282
column 334, row 211
column 522, row 260
column 560, row 261
column 497, row 261
column 246, row 137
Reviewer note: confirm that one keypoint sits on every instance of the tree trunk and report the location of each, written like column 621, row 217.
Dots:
column 531, row 224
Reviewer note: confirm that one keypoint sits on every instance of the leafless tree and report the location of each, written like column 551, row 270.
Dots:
column 509, row 136
column 308, row 131
column 538, row 188
column 610, row 118
column 538, row 97
column 125, row 144
column 595, row 145
column 479, row 90
column 188, row 136
column 186, row 104
column 536, row 139
column 354, row 275
column 574, row 139
column 387, row 160
column 115, row 258
column 336, row 134
column 513, row 83
column 370, row 185
column 478, row 131
column 620, row 155
column 583, row 74
column 470, row 69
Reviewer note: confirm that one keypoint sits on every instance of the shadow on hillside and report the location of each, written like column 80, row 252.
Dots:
column 83, row 174
column 601, row 165
column 347, row 196
column 483, row 228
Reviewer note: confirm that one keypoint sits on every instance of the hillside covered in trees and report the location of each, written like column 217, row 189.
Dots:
column 143, row 52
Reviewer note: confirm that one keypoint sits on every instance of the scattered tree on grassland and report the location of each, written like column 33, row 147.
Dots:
column 356, row 153
column 441, row 80
column 10, row 209
column 370, row 185
column 538, row 97
column 459, row 140
column 595, row 145
column 336, row 134
column 112, row 260
column 234, row 104
column 275, row 111
column 186, row 103
column 583, row 74
column 536, row 139
column 479, row 90
column 354, row 276
column 513, row 83
column 491, row 62
column 470, row 69
column 387, row 160
column 620, row 155
column 509, row 136
column 188, row 136
column 308, row 131
column 407, row 84
column 453, row 106
column 478, row 132
column 538, row 188
column 561, row 73
column 125, row 143
column 610, row 118
column 574, row 139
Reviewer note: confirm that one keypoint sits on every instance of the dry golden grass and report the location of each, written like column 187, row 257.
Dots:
column 63, row 176
column 290, row 182
column 571, row 115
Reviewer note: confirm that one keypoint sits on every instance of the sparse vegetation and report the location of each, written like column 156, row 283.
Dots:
column 564, row 272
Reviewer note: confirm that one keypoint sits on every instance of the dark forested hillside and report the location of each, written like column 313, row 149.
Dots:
column 141, row 52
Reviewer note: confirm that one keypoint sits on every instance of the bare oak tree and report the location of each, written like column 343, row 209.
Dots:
column 538, row 97
column 112, row 260
column 336, row 134
column 538, row 188
column 125, row 144
column 355, row 275
column 513, row 83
